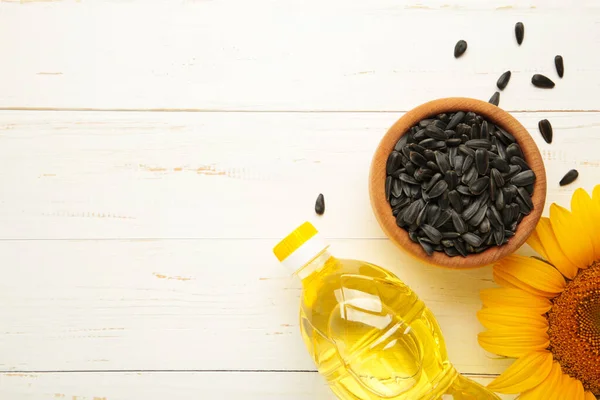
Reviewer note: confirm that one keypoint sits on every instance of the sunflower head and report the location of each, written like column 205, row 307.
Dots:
column 546, row 315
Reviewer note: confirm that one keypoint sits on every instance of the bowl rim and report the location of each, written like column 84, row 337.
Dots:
column 377, row 175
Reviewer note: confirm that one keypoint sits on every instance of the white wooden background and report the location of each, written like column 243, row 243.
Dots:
column 153, row 151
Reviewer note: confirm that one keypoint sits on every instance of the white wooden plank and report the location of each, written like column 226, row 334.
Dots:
column 294, row 55
column 172, row 386
column 218, row 175
column 193, row 305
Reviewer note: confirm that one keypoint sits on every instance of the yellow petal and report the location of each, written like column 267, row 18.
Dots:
column 510, row 342
column 536, row 243
column 533, row 276
column 524, row 374
column 509, row 297
column 587, row 212
column 555, row 254
column 596, row 194
column 500, row 317
column 574, row 388
column 589, row 396
column 571, row 236
column 545, row 389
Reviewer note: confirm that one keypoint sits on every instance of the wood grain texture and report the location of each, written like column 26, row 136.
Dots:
column 171, row 385
column 493, row 114
column 97, row 305
column 94, row 175
column 294, row 55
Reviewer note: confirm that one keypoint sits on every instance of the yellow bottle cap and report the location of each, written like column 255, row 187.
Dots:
column 294, row 240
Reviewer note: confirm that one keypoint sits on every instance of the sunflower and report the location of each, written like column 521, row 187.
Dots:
column 546, row 314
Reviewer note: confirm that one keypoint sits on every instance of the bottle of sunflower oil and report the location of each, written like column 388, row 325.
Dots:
column 368, row 333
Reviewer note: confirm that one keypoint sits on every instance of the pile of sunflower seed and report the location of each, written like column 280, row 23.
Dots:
column 458, row 184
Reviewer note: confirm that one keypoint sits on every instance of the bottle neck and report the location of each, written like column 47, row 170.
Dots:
column 313, row 267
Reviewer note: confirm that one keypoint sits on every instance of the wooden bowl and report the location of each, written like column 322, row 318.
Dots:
column 383, row 210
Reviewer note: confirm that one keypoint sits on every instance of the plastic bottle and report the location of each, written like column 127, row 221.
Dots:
column 369, row 335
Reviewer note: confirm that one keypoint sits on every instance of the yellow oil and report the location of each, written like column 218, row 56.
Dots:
column 372, row 338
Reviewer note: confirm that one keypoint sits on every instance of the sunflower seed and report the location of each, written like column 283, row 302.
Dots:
column 523, row 207
column 523, row 178
column 388, row 193
column 450, row 235
column 460, row 247
column 451, row 251
column 431, row 143
column 501, row 149
column 420, row 135
column 479, row 144
column 433, row 166
column 460, row 48
column 435, row 132
column 470, row 211
column 485, row 131
column 503, row 80
column 569, row 177
column 455, row 201
column 406, row 188
column 495, row 219
column 482, row 161
column 466, row 150
column 408, row 179
column 423, row 174
column 401, row 142
column 440, row 124
column 478, row 217
column 453, row 142
column 499, row 199
column 505, row 136
column 416, row 148
column 433, row 234
column 433, row 213
column 497, row 176
column 429, row 155
column 396, row 189
column 463, row 129
column 546, row 130
column 451, row 179
column 479, row 185
column 434, row 179
column 428, row 248
column 514, row 150
column 400, row 202
column 443, row 201
column 438, row 189
column 529, row 189
column 459, row 161
column 495, row 99
column 525, row 197
column 393, row 162
column 467, row 164
column 484, row 226
column 399, row 214
column 560, row 67
column 466, row 200
column 464, row 190
column 444, row 217
column 472, row 239
column 442, row 161
column 455, row 120
column 418, row 159
column 470, row 176
column 447, row 243
column 513, row 170
column 422, row 217
column 458, row 222
column 413, row 236
column 499, row 236
column 542, row 81
column 519, row 32
column 452, row 153
column 425, row 122
column 320, row 203
column 413, row 210
column 500, row 164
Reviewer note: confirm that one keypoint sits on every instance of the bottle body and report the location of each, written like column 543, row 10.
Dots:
column 372, row 338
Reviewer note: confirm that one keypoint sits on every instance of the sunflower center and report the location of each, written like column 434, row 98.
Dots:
column 574, row 328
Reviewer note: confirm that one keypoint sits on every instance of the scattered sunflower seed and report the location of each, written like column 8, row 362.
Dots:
column 495, row 99
column 320, row 203
column 542, row 81
column 569, row 177
column 460, row 48
column 560, row 67
column 546, row 130
column 503, row 80
column 519, row 32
